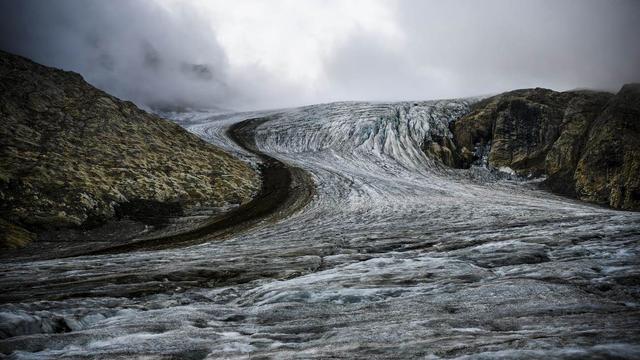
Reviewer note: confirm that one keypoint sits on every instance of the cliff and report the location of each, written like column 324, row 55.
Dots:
column 586, row 143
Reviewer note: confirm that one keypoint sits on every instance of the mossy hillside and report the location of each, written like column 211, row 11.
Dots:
column 587, row 143
column 72, row 153
column 608, row 171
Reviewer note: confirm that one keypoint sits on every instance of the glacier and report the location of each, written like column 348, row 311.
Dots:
column 395, row 256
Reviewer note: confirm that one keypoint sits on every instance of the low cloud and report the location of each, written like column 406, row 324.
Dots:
column 136, row 50
column 265, row 54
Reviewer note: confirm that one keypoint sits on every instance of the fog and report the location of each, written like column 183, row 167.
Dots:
column 266, row 54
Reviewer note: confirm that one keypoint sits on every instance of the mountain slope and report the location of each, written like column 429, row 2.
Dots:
column 73, row 155
column 586, row 143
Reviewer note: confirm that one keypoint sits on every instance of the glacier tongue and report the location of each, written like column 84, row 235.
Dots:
column 396, row 256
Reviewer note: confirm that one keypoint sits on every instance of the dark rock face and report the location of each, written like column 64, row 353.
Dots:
column 585, row 142
column 609, row 169
column 563, row 157
column 444, row 149
column 72, row 155
column 519, row 140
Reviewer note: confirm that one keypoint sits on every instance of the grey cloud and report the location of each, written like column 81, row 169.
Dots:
column 133, row 49
column 500, row 45
column 139, row 51
column 364, row 68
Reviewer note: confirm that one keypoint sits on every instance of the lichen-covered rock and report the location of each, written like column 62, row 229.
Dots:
column 444, row 149
column 524, row 131
column 71, row 154
column 13, row 236
column 521, row 126
column 585, row 142
column 609, row 170
column 475, row 129
column 563, row 157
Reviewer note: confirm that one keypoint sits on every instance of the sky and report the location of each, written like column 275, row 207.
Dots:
column 259, row 54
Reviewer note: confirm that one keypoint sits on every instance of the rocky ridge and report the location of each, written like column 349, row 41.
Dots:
column 74, row 156
column 586, row 143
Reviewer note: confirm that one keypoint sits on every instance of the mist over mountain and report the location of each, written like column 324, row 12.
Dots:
column 361, row 179
column 253, row 54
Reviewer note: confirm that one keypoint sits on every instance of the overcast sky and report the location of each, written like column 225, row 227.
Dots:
column 249, row 54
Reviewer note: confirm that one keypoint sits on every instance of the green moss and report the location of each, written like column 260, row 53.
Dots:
column 587, row 143
column 64, row 137
column 13, row 236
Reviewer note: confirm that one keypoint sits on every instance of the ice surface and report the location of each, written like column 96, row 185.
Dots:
column 396, row 256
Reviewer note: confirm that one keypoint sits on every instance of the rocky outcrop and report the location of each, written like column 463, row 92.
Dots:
column 72, row 155
column 608, row 171
column 445, row 150
column 585, row 142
